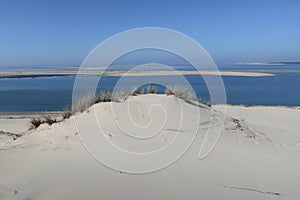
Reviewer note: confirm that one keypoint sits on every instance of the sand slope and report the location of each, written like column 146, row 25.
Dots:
column 249, row 161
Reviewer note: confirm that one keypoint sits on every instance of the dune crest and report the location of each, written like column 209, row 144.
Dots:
column 51, row 162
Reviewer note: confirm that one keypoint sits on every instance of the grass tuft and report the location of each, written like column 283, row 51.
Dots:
column 135, row 91
column 107, row 96
column 85, row 102
column 168, row 91
column 120, row 96
column 35, row 122
column 67, row 113
column 151, row 90
column 49, row 120
column 181, row 92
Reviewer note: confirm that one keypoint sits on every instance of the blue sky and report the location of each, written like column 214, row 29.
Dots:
column 53, row 32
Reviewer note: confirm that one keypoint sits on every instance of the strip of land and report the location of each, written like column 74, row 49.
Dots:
column 27, row 74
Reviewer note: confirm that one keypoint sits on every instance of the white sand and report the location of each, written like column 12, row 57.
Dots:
column 51, row 162
column 282, row 124
column 134, row 73
column 200, row 72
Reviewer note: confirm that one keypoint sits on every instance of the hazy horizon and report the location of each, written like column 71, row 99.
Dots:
column 55, row 33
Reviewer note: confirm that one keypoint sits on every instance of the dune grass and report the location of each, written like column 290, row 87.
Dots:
column 90, row 98
column 36, row 122
column 83, row 103
column 181, row 92
column 67, row 113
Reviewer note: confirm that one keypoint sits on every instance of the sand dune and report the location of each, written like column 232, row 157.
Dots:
column 257, row 156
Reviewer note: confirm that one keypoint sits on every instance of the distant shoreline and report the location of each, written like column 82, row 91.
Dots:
column 136, row 73
column 270, row 63
column 28, row 115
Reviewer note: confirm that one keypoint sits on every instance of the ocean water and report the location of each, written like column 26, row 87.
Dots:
column 55, row 93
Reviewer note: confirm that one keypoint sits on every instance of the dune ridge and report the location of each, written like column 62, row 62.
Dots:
column 255, row 158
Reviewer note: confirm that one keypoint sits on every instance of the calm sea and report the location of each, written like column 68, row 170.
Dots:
column 55, row 93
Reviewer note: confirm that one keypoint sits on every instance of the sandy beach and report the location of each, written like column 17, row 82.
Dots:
column 256, row 157
column 24, row 74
